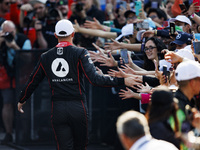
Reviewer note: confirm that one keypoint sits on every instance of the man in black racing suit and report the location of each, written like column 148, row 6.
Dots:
column 65, row 66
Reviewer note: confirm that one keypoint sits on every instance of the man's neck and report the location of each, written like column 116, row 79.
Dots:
column 65, row 40
column 187, row 92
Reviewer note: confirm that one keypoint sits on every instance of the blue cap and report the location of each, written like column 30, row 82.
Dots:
column 182, row 38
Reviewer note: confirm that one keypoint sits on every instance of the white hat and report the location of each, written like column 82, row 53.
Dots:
column 37, row 1
column 128, row 29
column 139, row 34
column 64, row 28
column 187, row 70
column 185, row 53
column 181, row 18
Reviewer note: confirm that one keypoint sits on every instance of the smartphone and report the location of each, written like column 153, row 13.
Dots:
column 139, row 25
column 154, row 4
column 124, row 55
column 165, row 72
column 197, row 3
column 183, row 8
column 172, row 28
column 145, row 25
column 196, row 45
column 123, row 4
column 138, row 6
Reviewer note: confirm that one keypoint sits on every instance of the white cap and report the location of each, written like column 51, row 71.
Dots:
column 128, row 29
column 37, row 1
column 185, row 53
column 64, row 28
column 187, row 70
column 139, row 34
column 181, row 18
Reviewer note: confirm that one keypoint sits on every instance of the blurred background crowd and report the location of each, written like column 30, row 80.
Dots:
column 156, row 42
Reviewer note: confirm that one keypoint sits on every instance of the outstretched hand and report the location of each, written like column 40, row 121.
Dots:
column 133, row 81
column 112, row 46
column 173, row 57
column 126, row 94
column 107, row 61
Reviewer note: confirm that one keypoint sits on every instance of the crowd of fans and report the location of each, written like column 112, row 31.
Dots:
column 157, row 42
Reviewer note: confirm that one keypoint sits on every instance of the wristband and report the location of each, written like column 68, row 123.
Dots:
column 192, row 16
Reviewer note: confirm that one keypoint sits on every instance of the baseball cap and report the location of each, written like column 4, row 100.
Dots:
column 139, row 34
column 181, row 18
column 128, row 29
column 37, row 1
column 129, row 12
column 185, row 53
column 182, row 38
column 187, row 70
column 64, row 28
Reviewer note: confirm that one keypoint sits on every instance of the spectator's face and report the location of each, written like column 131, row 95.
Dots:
column 196, row 85
column 151, row 50
column 154, row 17
column 121, row 19
column 64, row 9
column 87, row 4
column 39, row 10
column 9, row 28
column 131, row 18
column 181, row 46
column 194, row 27
column 185, row 27
column 5, row 6
column 168, row 7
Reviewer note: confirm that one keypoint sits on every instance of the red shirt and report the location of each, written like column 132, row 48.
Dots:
column 5, row 80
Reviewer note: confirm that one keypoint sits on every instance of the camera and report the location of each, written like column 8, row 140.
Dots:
column 79, row 6
column 8, row 37
column 52, row 11
column 29, row 17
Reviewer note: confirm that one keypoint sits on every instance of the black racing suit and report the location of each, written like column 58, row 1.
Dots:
column 65, row 66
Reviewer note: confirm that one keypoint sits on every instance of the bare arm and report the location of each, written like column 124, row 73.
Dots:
column 94, row 32
column 119, row 45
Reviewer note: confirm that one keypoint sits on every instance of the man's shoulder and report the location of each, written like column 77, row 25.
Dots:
column 156, row 144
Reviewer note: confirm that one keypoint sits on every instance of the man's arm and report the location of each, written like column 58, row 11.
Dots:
column 36, row 77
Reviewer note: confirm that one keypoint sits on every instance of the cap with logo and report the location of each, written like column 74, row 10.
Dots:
column 181, row 18
column 182, row 38
column 64, row 28
column 187, row 70
column 128, row 29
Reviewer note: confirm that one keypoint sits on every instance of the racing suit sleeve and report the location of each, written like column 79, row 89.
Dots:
column 35, row 78
column 93, row 77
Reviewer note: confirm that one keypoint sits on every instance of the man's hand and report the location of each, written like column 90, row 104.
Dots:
column 172, row 57
column 132, row 82
column 93, row 24
column 149, row 33
column 26, row 7
column 19, row 105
